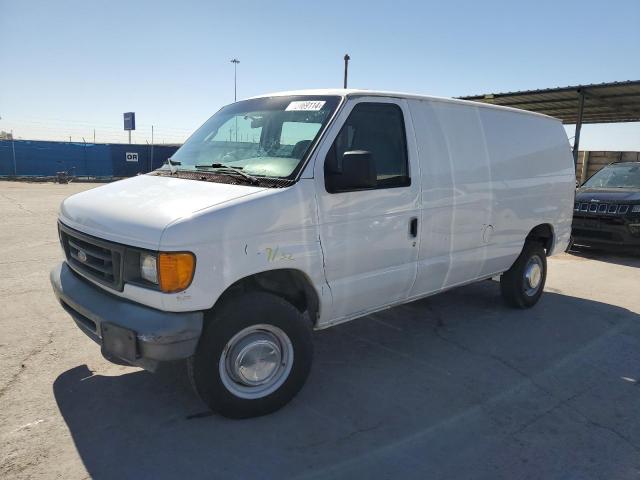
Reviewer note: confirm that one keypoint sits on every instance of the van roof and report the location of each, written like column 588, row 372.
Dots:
column 351, row 92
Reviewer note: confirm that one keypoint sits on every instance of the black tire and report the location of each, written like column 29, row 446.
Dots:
column 222, row 325
column 515, row 287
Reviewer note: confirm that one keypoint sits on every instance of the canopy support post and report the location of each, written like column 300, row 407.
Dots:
column 576, row 138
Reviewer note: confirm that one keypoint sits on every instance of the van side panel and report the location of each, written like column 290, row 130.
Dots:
column 457, row 198
column 472, row 189
column 533, row 181
column 489, row 176
column 434, row 256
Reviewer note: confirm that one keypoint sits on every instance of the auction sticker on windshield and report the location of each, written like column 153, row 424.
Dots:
column 306, row 105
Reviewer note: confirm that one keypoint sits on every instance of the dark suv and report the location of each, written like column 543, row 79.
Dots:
column 607, row 208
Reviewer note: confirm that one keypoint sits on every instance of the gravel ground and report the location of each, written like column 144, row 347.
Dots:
column 454, row 386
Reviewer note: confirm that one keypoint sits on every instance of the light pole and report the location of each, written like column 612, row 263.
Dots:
column 346, row 68
column 235, row 62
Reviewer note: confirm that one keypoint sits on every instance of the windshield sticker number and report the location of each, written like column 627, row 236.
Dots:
column 306, row 106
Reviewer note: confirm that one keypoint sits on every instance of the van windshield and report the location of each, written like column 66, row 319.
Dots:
column 267, row 137
column 622, row 175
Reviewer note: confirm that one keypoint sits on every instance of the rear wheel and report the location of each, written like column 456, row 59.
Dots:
column 254, row 356
column 522, row 285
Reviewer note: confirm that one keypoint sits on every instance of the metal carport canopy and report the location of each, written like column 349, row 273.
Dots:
column 615, row 102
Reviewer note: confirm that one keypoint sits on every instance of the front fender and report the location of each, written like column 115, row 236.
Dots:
column 271, row 230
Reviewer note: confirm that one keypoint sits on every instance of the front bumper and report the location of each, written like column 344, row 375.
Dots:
column 612, row 232
column 154, row 335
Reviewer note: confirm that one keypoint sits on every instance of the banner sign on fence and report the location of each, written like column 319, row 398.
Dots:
column 132, row 157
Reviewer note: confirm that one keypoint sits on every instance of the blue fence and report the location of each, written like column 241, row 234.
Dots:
column 31, row 158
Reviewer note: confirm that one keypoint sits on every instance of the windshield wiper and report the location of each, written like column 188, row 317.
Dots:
column 235, row 171
column 172, row 165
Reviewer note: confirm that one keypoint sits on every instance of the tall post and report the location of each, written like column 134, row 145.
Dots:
column 235, row 62
column 151, row 166
column 13, row 147
column 585, row 167
column 346, row 68
column 576, row 138
column 129, row 137
column 84, row 157
column 94, row 135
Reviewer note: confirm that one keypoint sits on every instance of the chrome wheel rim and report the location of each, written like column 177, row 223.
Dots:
column 256, row 361
column 533, row 275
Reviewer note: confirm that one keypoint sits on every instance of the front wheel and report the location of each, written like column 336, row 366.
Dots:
column 254, row 356
column 522, row 285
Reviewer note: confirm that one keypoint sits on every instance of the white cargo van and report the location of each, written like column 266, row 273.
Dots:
column 301, row 210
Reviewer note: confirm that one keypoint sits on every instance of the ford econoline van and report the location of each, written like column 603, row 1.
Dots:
column 301, row 210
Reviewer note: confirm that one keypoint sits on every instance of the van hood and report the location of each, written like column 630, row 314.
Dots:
column 136, row 211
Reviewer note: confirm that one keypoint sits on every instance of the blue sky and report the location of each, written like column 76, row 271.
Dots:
column 71, row 66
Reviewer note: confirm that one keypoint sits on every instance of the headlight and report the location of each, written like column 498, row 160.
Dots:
column 176, row 271
column 636, row 209
column 149, row 267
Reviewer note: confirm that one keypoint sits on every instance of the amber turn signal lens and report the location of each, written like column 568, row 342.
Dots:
column 176, row 271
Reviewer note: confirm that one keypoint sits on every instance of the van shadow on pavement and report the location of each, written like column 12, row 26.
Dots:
column 452, row 386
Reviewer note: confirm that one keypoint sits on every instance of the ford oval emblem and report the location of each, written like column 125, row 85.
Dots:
column 82, row 256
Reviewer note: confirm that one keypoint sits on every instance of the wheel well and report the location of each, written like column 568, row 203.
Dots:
column 292, row 285
column 542, row 234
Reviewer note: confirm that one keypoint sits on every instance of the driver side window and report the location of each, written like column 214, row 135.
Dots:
column 377, row 128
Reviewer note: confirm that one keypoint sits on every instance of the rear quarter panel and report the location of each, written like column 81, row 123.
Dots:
column 533, row 179
column 485, row 166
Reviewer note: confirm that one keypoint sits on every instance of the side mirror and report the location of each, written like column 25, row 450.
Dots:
column 356, row 170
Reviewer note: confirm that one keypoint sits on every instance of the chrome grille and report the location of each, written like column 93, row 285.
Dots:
column 95, row 258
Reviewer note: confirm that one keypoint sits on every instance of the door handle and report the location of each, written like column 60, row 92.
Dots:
column 413, row 227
